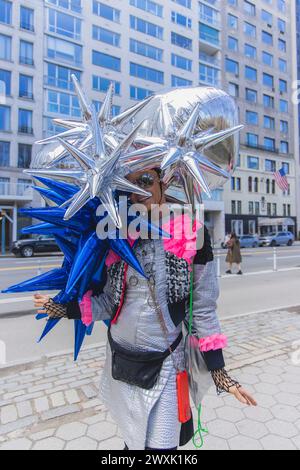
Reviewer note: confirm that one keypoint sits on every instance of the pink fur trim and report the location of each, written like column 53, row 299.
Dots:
column 183, row 241
column 86, row 309
column 213, row 343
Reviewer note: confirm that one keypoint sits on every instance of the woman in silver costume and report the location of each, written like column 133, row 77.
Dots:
column 148, row 418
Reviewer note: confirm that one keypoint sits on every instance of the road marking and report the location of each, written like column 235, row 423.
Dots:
column 285, row 257
column 255, row 273
column 30, row 268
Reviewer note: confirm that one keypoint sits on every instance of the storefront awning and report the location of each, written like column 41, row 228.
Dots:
column 267, row 222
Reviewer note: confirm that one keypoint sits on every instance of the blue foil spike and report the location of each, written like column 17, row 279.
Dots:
column 41, row 316
column 124, row 250
column 51, row 323
column 66, row 190
column 49, row 194
column 89, row 329
column 81, row 223
column 43, row 229
column 80, row 333
column 67, row 247
column 93, row 250
column 52, row 280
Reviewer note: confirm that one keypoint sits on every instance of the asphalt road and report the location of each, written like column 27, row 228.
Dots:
column 259, row 289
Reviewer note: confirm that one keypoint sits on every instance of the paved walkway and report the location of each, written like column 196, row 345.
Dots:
column 53, row 404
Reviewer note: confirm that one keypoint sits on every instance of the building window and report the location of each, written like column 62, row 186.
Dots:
column 5, row 113
column 269, row 209
column 107, row 12
column 106, row 36
column 26, row 87
column 106, row 61
column 250, row 51
column 5, row 11
column 149, row 6
column 63, row 103
column 178, row 82
column 232, row 66
column 283, row 87
column 249, row 8
column 181, row 20
column 284, row 147
column 269, row 123
column 181, row 62
column 268, row 186
column 26, row 18
column 60, row 77
column 253, row 163
column 102, row 84
column 26, row 53
column 24, row 155
column 256, row 185
column 233, row 90
column 5, row 83
column 139, row 94
column 282, row 65
column 273, row 187
column 146, row 73
column 184, row 3
column 257, row 208
column 232, row 21
column 282, row 45
column 267, row 17
column 252, row 140
column 233, row 44
column 146, row 50
column 274, row 209
column 252, row 118
column 4, row 154
column 250, row 30
column 283, row 106
column 73, row 5
column 146, row 27
column 281, row 25
column 270, row 165
column 250, row 184
column 209, row 75
column 5, row 47
column 267, row 38
column 181, row 41
column 25, row 121
column 251, row 208
column 115, row 110
column 251, row 73
column 269, row 144
column 65, row 51
column 286, row 167
column 66, row 25
column 267, row 59
column 251, row 95
column 268, row 80
column 268, row 101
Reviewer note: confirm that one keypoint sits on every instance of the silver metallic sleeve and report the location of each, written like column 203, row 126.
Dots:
column 205, row 296
column 102, row 305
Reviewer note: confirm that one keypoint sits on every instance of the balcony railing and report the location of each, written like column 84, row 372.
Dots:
column 58, row 83
column 25, row 130
column 261, row 147
column 64, row 32
column 209, row 59
column 210, row 20
column 209, row 38
column 209, row 80
column 26, row 60
column 13, row 191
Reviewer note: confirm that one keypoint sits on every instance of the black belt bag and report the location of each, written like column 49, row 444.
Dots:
column 141, row 369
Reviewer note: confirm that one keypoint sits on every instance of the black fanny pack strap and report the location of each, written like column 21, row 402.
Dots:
column 142, row 356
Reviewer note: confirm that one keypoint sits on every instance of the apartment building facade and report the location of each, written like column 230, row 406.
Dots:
column 259, row 44
column 143, row 46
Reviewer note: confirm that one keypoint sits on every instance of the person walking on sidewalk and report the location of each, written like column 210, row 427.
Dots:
column 145, row 357
column 234, row 254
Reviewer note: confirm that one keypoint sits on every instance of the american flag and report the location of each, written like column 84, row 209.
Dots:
column 281, row 179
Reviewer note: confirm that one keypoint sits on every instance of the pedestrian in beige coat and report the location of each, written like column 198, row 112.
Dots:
column 234, row 254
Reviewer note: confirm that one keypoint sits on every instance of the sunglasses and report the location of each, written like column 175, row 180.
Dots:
column 146, row 180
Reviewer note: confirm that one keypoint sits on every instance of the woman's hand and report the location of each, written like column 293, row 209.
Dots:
column 40, row 301
column 242, row 395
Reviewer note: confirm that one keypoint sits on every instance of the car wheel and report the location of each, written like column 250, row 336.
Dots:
column 27, row 252
column 290, row 242
column 255, row 245
column 273, row 243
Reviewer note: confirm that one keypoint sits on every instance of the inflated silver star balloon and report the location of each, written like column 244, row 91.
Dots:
column 200, row 126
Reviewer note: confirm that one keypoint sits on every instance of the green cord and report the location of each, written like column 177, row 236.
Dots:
column 200, row 431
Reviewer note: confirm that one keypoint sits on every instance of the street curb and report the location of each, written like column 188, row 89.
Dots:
column 21, row 365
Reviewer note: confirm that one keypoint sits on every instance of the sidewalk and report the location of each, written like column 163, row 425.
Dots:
column 53, row 404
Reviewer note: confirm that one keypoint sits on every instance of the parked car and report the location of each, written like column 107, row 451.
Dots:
column 277, row 239
column 249, row 241
column 29, row 246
